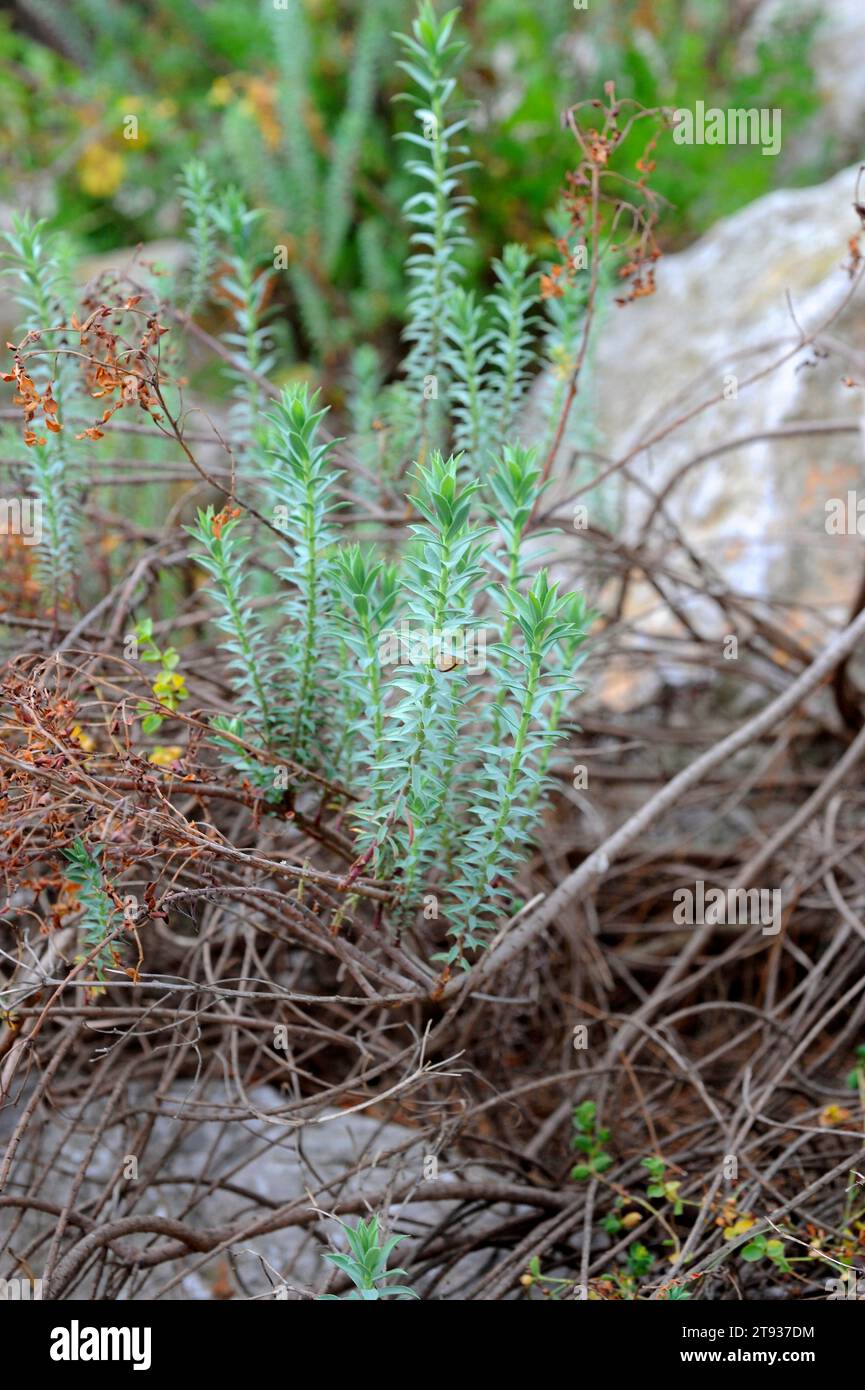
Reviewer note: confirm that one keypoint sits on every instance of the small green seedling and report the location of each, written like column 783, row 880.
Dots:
column 640, row 1260
column 169, row 687
column 659, row 1187
column 762, row 1249
column 366, row 1266
column 856, row 1077
column 590, row 1141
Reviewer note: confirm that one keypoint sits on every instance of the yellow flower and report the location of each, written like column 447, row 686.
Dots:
column 165, row 109
column 739, row 1227
column 833, row 1115
column 100, row 170
column 165, row 754
column 563, row 363
column 83, row 740
column 170, row 688
column 221, row 92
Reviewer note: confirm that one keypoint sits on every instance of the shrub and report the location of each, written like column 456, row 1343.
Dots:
column 416, row 689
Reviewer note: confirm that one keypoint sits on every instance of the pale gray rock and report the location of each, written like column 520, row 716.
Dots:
column 837, row 56
column 261, row 1156
column 724, row 309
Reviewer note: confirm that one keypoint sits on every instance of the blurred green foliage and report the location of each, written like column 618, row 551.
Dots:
column 691, row 51
column 104, row 101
